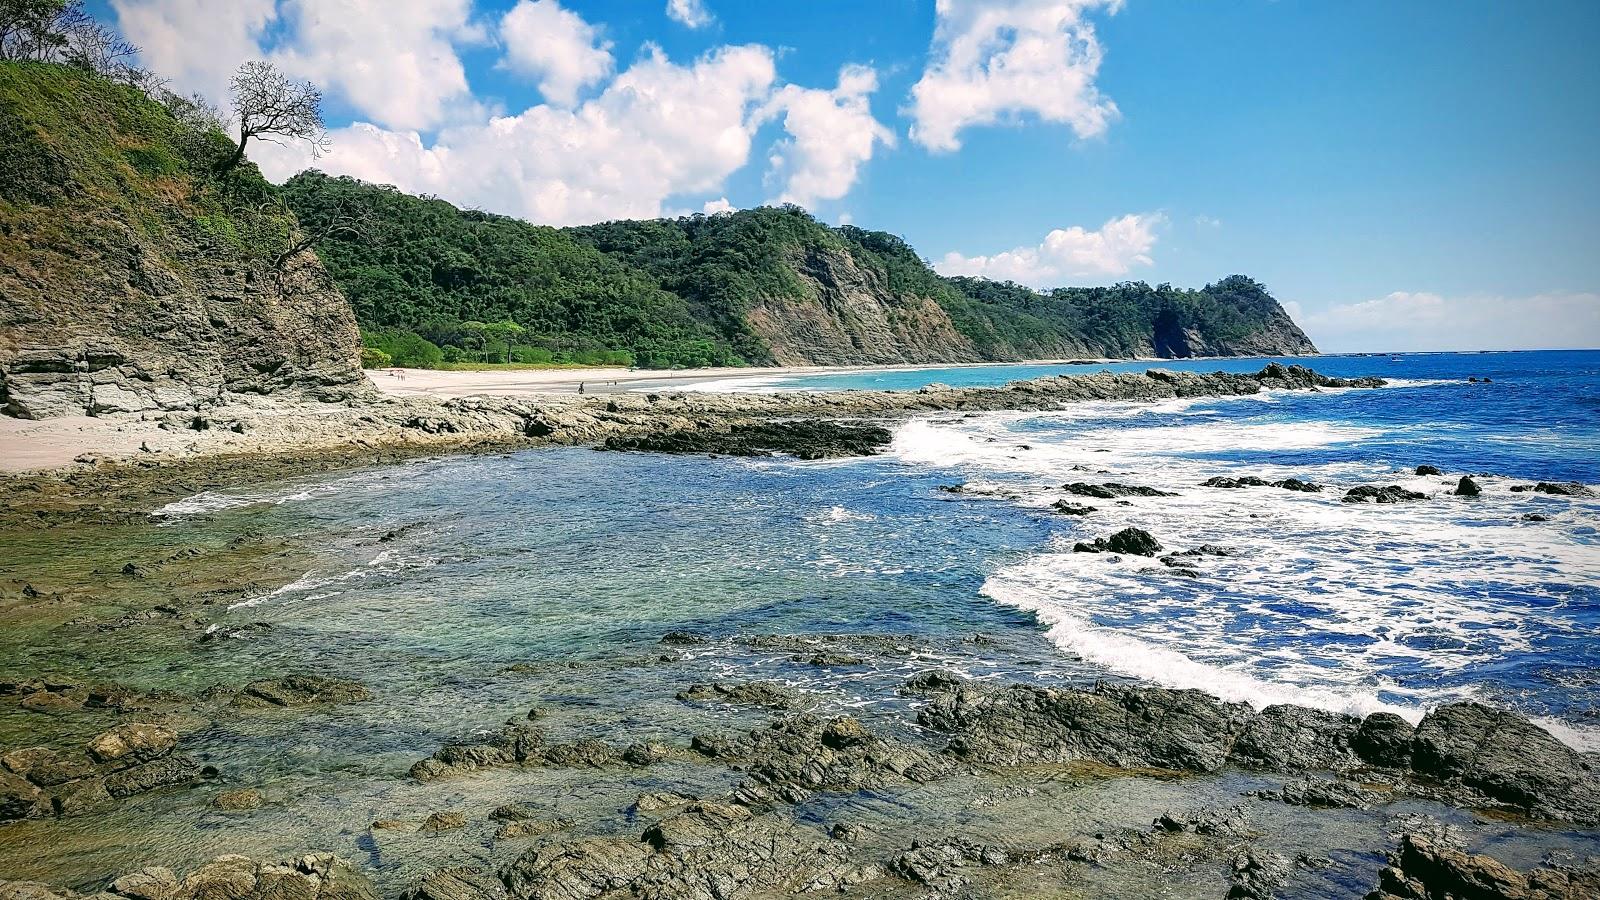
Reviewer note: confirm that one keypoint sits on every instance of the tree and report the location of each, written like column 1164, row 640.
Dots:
column 271, row 105
column 61, row 31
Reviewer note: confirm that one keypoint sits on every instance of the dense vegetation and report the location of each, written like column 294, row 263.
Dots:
column 431, row 282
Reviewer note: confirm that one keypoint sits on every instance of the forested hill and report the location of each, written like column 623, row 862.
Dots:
column 754, row 287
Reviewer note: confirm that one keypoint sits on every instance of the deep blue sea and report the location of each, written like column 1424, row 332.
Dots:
column 1341, row 606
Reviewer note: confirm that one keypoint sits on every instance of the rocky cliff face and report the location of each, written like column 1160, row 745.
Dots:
column 133, row 279
column 847, row 315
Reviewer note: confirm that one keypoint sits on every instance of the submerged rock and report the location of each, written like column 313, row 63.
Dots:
column 134, row 742
column 1327, row 794
column 1133, row 541
column 299, row 690
column 313, row 876
column 748, row 693
column 237, row 801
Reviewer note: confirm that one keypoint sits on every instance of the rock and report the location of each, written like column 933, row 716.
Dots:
column 531, row 828
column 1133, row 541
column 645, row 753
column 789, row 759
column 237, row 801
column 443, row 821
column 164, row 772
column 1111, row 490
column 1318, row 793
column 748, row 693
column 1466, row 487
column 1291, row 738
column 652, row 801
column 587, row 753
column 457, row 883
column 1506, row 757
column 1535, row 517
column 1564, row 489
column 1115, row 725
column 804, row 439
column 1424, row 869
column 1428, row 470
column 18, row 798
column 135, row 742
column 927, row 684
column 153, row 883
column 1390, row 494
column 683, row 638
column 941, row 864
column 1231, row 822
column 45, row 767
column 1244, row 481
column 299, row 690
column 1384, row 739
column 1295, row 484
column 1257, row 875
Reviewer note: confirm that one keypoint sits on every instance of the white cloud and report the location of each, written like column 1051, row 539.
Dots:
column 1208, row 222
column 719, row 205
column 689, row 13
column 659, row 129
column 196, row 43
column 393, row 60
column 1113, row 250
column 1407, row 320
column 556, row 46
column 998, row 60
column 831, row 134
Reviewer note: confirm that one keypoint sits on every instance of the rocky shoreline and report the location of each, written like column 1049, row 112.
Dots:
column 954, row 787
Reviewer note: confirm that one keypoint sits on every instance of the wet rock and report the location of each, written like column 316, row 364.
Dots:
column 1429, row 470
column 314, row 876
column 1390, row 494
column 1112, row 490
column 1506, row 757
column 1467, row 487
column 587, row 753
column 1384, row 739
column 19, row 799
column 237, row 801
column 457, row 883
column 515, row 743
column 45, row 767
column 1290, row 738
column 1424, row 869
column 645, row 753
column 167, row 771
column 794, row 757
column 153, row 883
column 1535, row 517
column 749, row 693
column 443, row 821
column 299, row 690
column 531, row 828
column 678, row 638
column 943, row 864
column 1231, row 822
column 1116, row 725
column 1133, row 541
column 1295, row 484
column 134, row 742
column 1257, row 875
column 1323, row 794
column 652, row 801
column 1563, row 489
column 927, row 684
column 1243, row 481
column 805, row 439
column 1072, row 509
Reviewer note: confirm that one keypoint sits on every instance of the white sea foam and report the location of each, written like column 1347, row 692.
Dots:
column 1347, row 607
column 384, row 564
column 211, row 501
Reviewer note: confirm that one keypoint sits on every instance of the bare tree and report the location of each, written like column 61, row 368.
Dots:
column 273, row 106
column 61, row 31
column 342, row 224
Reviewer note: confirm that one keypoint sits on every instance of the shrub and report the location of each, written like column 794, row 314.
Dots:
column 373, row 358
column 405, row 348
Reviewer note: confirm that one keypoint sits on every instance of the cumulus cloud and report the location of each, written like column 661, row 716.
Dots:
column 689, row 13
column 719, row 205
column 999, row 60
column 657, row 130
column 1406, row 320
column 831, row 135
column 556, row 46
column 171, row 40
column 1113, row 250
column 393, row 60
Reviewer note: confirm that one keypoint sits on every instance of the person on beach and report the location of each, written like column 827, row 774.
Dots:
column 580, row 387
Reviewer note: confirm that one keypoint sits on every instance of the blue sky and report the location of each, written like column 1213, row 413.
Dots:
column 1403, row 175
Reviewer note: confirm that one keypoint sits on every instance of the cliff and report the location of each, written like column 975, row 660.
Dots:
column 132, row 277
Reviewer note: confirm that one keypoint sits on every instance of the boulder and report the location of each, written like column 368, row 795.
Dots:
column 1428, row 470
column 1292, row 738
column 167, row 771
column 1467, row 487
column 443, row 821
column 1391, row 494
column 1509, row 759
column 1133, row 541
column 132, row 743
column 1384, row 739
column 1424, row 868
column 1067, row 508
